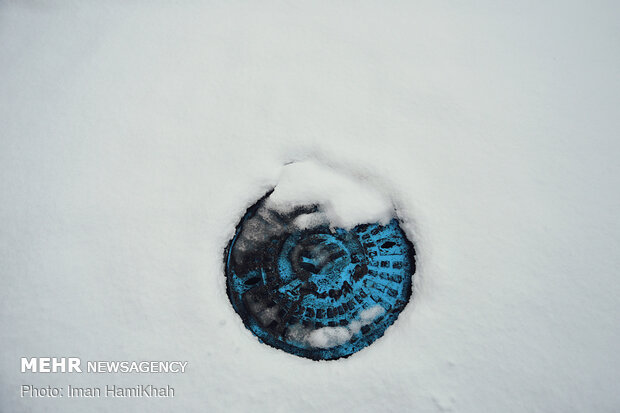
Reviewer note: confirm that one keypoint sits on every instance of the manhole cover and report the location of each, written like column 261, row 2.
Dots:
column 315, row 291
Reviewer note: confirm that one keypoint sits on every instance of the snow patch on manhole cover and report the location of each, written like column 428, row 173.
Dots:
column 319, row 267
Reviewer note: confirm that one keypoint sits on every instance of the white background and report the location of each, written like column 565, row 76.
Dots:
column 134, row 135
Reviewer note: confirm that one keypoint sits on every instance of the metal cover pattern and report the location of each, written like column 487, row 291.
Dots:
column 320, row 293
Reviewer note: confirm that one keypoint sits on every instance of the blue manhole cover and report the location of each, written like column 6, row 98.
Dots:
column 319, row 292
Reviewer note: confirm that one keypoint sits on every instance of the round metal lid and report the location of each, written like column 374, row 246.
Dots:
column 320, row 292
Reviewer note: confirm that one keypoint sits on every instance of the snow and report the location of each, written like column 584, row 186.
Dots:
column 344, row 200
column 327, row 337
column 369, row 314
column 134, row 135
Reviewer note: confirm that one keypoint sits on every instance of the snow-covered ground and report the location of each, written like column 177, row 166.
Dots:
column 133, row 136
